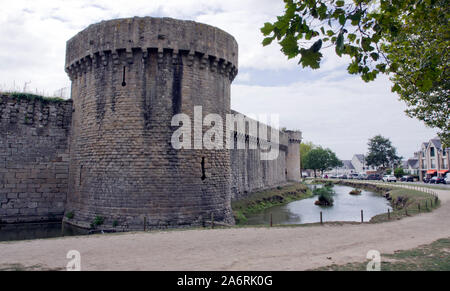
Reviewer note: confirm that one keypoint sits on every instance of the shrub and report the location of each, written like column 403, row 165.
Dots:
column 240, row 217
column 70, row 215
column 98, row 221
column 323, row 190
column 115, row 223
column 326, row 199
column 329, row 184
column 325, row 196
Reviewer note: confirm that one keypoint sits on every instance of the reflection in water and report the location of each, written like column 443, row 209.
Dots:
column 346, row 208
column 13, row 232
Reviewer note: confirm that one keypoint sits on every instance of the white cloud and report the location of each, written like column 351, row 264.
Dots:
column 243, row 77
column 339, row 114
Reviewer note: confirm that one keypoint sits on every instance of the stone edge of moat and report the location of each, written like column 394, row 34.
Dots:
column 380, row 189
column 393, row 191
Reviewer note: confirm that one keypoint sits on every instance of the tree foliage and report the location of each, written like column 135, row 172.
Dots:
column 320, row 159
column 305, row 148
column 382, row 153
column 406, row 39
column 399, row 172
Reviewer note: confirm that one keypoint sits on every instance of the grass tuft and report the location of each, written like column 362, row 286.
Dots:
column 32, row 97
column 432, row 257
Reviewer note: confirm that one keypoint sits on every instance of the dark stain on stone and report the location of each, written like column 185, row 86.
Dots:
column 100, row 95
column 176, row 85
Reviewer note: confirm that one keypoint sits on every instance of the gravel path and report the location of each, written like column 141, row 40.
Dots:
column 296, row 248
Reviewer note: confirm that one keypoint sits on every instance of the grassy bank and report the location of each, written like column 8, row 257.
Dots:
column 405, row 202
column 432, row 257
column 418, row 202
column 31, row 97
column 22, row 268
column 261, row 200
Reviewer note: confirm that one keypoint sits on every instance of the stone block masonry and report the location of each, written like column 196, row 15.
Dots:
column 34, row 158
column 129, row 78
column 249, row 173
column 107, row 152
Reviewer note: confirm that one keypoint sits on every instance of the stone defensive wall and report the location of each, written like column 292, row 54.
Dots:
column 249, row 172
column 106, row 155
column 34, row 159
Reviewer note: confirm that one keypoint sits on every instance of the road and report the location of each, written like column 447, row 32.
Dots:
column 288, row 248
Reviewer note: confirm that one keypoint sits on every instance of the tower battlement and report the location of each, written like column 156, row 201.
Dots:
column 117, row 41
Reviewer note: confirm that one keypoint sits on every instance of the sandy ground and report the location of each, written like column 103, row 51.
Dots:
column 268, row 249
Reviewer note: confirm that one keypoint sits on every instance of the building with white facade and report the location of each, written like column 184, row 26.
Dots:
column 357, row 165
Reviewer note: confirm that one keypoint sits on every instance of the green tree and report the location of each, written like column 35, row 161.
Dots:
column 319, row 159
column 382, row 153
column 399, row 172
column 305, row 148
column 333, row 160
column 406, row 39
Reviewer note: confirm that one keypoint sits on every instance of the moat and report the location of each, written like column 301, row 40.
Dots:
column 30, row 231
column 346, row 208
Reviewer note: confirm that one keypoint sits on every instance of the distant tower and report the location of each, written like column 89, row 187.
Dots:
column 293, row 156
column 129, row 78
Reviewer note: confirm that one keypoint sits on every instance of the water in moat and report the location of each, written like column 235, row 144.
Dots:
column 29, row 231
column 346, row 208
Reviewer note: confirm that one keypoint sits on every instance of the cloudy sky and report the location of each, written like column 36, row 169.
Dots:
column 330, row 107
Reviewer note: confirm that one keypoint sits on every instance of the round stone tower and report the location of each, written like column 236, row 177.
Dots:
column 129, row 78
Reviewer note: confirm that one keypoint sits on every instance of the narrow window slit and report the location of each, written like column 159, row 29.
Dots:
column 203, row 169
column 123, row 80
column 81, row 175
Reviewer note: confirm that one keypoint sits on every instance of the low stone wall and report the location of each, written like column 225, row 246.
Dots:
column 33, row 158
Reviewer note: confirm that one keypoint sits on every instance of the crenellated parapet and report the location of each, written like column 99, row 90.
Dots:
column 118, row 42
column 295, row 136
column 262, row 139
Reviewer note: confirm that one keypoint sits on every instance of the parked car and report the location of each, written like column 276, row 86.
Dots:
column 438, row 180
column 427, row 180
column 342, row 177
column 362, row 177
column 441, row 180
column 433, row 180
column 375, row 177
column 389, row 178
column 353, row 176
column 447, row 179
column 407, row 179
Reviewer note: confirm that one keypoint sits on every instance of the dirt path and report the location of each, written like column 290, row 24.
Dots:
column 297, row 248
